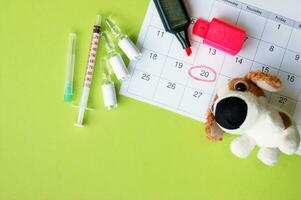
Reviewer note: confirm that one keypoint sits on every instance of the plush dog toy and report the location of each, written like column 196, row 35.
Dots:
column 241, row 108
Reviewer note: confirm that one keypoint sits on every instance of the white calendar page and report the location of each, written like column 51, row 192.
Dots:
column 166, row 77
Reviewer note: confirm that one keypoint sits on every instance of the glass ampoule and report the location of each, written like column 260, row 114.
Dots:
column 108, row 89
column 123, row 41
column 115, row 60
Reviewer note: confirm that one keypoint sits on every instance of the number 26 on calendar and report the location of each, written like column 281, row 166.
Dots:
column 171, row 85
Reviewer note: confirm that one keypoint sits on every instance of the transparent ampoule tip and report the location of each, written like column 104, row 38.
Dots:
column 109, row 45
column 104, row 62
column 112, row 26
column 98, row 20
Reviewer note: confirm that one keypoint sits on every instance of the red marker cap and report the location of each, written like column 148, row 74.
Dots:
column 220, row 35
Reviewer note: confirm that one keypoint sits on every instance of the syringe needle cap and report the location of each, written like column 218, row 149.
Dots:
column 68, row 91
column 72, row 41
column 72, row 35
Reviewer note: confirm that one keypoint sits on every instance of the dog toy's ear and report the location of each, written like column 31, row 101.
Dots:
column 265, row 81
column 212, row 130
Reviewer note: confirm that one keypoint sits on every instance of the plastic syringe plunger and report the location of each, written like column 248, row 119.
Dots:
column 124, row 42
column 83, row 106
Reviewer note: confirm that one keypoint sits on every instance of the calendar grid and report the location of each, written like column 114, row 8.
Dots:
column 260, row 39
column 219, row 73
column 186, row 82
column 184, row 112
column 132, row 69
column 160, row 76
column 240, row 9
column 179, row 97
column 212, row 6
column 286, row 48
column 252, row 60
column 249, row 36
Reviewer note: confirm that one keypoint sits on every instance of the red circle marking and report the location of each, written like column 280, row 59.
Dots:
column 200, row 79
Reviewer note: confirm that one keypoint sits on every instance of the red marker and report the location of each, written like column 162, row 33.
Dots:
column 188, row 51
column 220, row 35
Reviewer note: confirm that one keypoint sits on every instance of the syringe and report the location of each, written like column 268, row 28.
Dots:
column 89, row 71
column 123, row 41
column 68, row 92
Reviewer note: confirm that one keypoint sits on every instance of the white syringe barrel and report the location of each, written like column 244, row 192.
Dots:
column 91, row 59
column 83, row 105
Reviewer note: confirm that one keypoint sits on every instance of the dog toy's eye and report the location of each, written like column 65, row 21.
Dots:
column 241, row 86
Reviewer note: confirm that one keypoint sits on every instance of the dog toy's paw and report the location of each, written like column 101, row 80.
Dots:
column 242, row 146
column 289, row 147
column 268, row 156
column 290, row 142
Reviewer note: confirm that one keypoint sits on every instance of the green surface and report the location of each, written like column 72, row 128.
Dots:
column 136, row 152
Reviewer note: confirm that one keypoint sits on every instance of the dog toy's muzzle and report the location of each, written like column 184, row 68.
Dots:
column 231, row 112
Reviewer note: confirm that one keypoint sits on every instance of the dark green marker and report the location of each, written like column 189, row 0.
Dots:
column 175, row 20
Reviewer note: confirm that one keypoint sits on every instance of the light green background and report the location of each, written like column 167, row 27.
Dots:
column 136, row 152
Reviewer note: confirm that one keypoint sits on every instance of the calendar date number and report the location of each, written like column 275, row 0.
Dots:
column 202, row 73
column 145, row 77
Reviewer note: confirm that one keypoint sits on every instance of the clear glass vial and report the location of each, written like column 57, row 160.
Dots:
column 108, row 89
column 114, row 58
column 123, row 41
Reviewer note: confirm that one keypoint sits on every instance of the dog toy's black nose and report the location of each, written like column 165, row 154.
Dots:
column 231, row 112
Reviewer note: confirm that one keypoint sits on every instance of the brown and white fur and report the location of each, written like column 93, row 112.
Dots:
column 262, row 124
